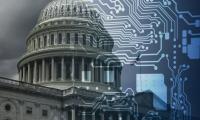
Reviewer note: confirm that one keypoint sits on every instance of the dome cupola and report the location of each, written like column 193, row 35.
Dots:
column 68, row 9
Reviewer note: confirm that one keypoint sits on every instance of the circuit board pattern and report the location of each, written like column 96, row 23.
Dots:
column 153, row 31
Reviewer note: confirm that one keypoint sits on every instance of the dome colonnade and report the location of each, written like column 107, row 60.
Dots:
column 67, row 46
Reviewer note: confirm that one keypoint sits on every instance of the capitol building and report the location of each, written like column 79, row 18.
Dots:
column 69, row 73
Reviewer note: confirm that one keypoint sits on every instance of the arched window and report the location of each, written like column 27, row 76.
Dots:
column 46, row 13
column 50, row 12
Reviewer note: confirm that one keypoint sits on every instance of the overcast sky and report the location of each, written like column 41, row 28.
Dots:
column 17, row 18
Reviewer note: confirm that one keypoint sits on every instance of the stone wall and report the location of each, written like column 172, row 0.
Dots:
column 15, row 105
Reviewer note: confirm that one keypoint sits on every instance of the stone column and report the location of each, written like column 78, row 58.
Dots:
column 21, row 110
column 102, row 116
column 110, row 117
column 43, row 70
column 63, row 38
column 119, row 78
column 119, row 116
column 47, row 71
column 73, row 114
column 20, row 76
column 72, row 74
column 55, row 38
column 24, row 73
column 98, row 71
column 92, row 70
column 42, row 41
column 29, row 73
column 107, row 74
column 37, row 112
column 32, row 45
column 128, row 116
column 35, row 72
column 116, row 77
column 36, row 44
column 52, row 69
column 101, row 72
column 83, row 69
column 83, row 115
column 67, row 115
column 48, row 39
column 63, row 70
column 93, row 116
column 40, row 71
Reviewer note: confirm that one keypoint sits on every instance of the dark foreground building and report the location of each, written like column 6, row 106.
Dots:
column 69, row 72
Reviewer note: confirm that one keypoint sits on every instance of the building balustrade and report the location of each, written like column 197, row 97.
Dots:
column 28, row 86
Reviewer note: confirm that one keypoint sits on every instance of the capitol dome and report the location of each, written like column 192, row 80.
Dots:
column 67, row 48
column 68, row 9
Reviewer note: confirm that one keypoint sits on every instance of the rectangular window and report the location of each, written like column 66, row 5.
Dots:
column 97, row 70
column 87, row 73
column 44, row 113
column 81, row 11
column 76, row 38
column 68, row 70
column 108, row 75
column 58, row 70
column 68, row 38
column 45, row 41
column 59, row 38
column 91, row 41
column 84, row 39
column 68, row 8
column 103, row 45
column 77, row 70
column 52, row 39
column 39, row 42
column 29, row 110
column 62, row 10
column 97, row 42
column 111, row 76
column 34, row 43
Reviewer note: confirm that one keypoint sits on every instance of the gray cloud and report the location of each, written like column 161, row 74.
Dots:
column 17, row 18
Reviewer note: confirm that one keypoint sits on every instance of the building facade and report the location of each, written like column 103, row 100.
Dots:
column 68, row 71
